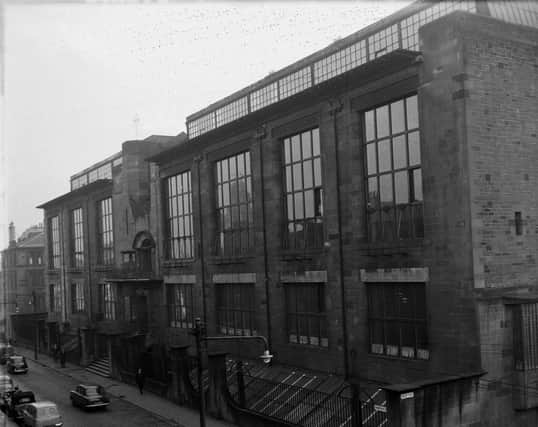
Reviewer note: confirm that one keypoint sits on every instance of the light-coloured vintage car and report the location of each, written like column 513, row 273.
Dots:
column 89, row 397
column 41, row 414
column 6, row 388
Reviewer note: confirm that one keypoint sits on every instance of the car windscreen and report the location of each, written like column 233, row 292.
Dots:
column 19, row 400
column 91, row 391
column 17, row 360
column 47, row 411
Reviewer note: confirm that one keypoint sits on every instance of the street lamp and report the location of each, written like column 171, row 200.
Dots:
column 200, row 332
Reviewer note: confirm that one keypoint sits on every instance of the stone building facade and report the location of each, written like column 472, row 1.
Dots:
column 370, row 210
column 101, row 256
column 23, row 290
column 379, row 223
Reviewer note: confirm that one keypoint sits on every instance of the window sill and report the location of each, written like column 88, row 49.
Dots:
column 102, row 267
column 178, row 262
column 235, row 259
column 300, row 254
column 403, row 359
column 307, row 347
column 75, row 270
column 393, row 247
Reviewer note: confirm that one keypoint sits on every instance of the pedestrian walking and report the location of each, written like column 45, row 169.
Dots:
column 55, row 352
column 140, row 380
column 62, row 357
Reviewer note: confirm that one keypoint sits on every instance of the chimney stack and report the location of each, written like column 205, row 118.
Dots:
column 12, row 238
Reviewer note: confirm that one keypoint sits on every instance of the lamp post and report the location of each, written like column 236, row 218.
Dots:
column 200, row 334
column 36, row 329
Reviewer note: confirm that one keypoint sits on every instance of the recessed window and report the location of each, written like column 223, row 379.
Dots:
column 303, row 191
column 180, row 305
column 54, row 242
column 518, row 220
column 397, row 320
column 77, row 238
column 110, row 301
column 393, row 171
column 105, row 231
column 180, row 235
column 525, row 336
column 78, row 304
column 306, row 318
column 235, row 309
column 235, row 217
column 129, row 309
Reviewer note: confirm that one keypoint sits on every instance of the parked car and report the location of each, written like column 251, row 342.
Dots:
column 5, row 352
column 6, row 388
column 16, row 401
column 41, row 414
column 17, row 365
column 89, row 396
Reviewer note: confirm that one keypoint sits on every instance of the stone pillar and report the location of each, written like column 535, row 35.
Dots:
column 400, row 408
column 217, row 403
column 83, row 346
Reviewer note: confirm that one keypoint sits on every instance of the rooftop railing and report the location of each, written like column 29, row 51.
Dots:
column 360, row 48
column 400, row 35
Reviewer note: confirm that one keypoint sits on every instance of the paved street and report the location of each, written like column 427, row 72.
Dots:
column 128, row 408
column 47, row 384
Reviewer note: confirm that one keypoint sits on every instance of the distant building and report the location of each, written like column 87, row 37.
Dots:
column 23, row 289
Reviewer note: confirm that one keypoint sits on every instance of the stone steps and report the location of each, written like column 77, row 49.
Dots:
column 100, row 367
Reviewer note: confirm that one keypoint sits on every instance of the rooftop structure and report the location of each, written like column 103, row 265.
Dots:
column 397, row 31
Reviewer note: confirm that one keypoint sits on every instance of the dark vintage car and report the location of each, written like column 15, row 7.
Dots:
column 5, row 352
column 17, row 365
column 16, row 401
column 89, row 397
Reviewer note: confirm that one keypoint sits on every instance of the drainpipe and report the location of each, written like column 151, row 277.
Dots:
column 261, row 133
column 88, row 263
column 62, row 236
column 335, row 108
column 198, row 159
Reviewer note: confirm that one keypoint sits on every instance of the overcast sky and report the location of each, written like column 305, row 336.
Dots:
column 77, row 75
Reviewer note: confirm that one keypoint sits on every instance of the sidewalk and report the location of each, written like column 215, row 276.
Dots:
column 181, row 416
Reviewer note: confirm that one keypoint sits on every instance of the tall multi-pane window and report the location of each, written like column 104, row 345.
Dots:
column 77, row 238
column 234, row 205
column 395, row 202
column 236, row 311
column 397, row 320
column 110, row 300
column 105, row 232
column 179, row 239
column 303, row 191
column 54, row 242
column 180, row 306
column 78, row 303
column 129, row 310
column 51, row 298
column 306, row 318
column 55, row 298
column 525, row 327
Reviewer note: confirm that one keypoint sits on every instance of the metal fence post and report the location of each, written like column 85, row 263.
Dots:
column 241, row 384
column 356, row 406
